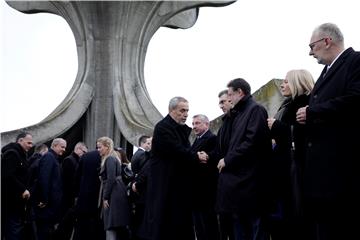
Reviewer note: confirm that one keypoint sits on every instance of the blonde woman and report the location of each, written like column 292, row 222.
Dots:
column 115, row 206
column 289, row 154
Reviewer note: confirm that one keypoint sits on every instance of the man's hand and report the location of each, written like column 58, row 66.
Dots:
column 106, row 204
column 26, row 194
column 301, row 115
column 270, row 122
column 203, row 157
column 221, row 164
column 41, row 205
column 133, row 187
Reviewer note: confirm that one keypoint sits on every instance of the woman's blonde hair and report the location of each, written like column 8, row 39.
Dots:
column 107, row 142
column 300, row 82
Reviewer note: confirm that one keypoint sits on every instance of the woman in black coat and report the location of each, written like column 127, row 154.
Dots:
column 289, row 150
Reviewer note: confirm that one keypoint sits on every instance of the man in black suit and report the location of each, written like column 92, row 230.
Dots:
column 14, row 189
column 204, row 183
column 138, row 159
column 168, row 202
column 89, row 224
column 331, row 168
column 48, row 200
column 139, row 168
column 69, row 167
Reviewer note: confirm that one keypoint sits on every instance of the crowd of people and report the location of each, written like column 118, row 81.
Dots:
column 291, row 176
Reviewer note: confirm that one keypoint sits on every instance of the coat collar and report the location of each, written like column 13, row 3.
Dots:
column 337, row 64
column 176, row 125
column 240, row 105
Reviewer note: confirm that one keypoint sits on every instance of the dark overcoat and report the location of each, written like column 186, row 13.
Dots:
column 114, row 190
column 332, row 165
column 222, row 139
column 49, row 189
column 205, row 175
column 88, row 184
column 13, row 178
column 138, row 160
column 168, row 210
column 69, row 167
column 241, row 181
column 288, row 165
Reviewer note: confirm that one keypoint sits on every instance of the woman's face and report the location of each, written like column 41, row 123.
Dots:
column 284, row 88
column 103, row 150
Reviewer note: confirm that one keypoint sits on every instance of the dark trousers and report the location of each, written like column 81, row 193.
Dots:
column 248, row 228
column 226, row 227
column 87, row 227
column 333, row 229
column 45, row 229
column 206, row 225
column 137, row 220
column 66, row 226
column 13, row 226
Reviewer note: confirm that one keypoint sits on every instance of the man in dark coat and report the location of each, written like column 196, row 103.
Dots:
column 168, row 205
column 49, row 196
column 242, row 170
column 331, row 174
column 204, row 183
column 89, row 224
column 69, row 168
column 138, row 163
column 139, row 158
column 220, row 150
column 14, row 192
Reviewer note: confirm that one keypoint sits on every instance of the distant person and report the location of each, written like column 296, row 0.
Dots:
column 224, row 101
column 127, row 173
column 289, row 156
column 138, row 162
column 33, row 160
column 168, row 205
column 240, row 191
column 138, row 159
column 114, row 202
column 48, row 198
column 331, row 174
column 14, row 190
column 39, row 150
column 69, row 168
column 88, row 224
column 204, row 182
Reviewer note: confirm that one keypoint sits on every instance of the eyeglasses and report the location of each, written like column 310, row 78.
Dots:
column 83, row 151
column 312, row 45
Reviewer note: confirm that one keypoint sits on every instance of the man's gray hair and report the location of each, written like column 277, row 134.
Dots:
column 330, row 30
column 175, row 101
column 57, row 141
column 202, row 117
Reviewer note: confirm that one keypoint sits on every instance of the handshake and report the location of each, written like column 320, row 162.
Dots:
column 203, row 157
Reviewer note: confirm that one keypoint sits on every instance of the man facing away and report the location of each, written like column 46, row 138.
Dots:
column 331, row 168
column 139, row 166
column 88, row 224
column 14, row 190
column 69, row 168
column 168, row 204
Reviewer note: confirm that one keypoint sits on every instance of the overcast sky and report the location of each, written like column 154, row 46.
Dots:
column 257, row 40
